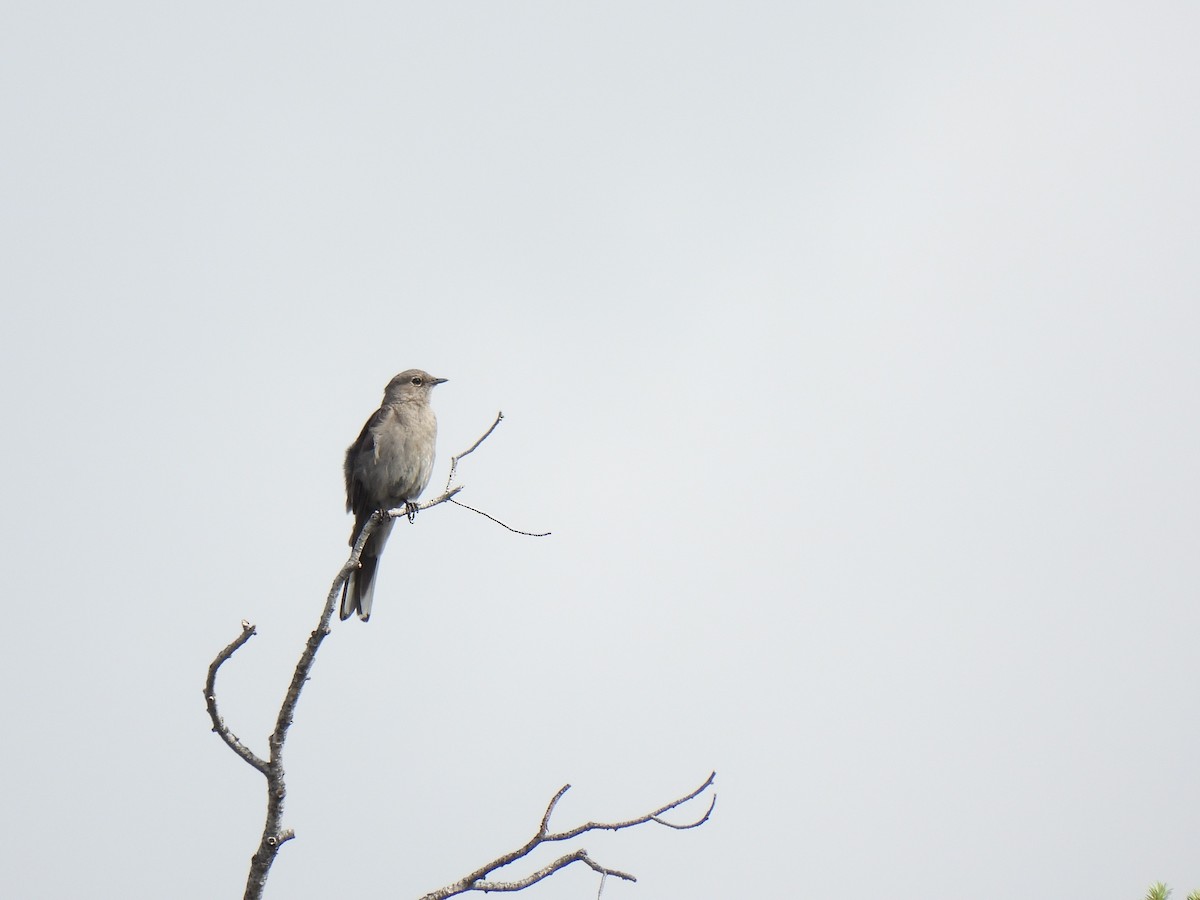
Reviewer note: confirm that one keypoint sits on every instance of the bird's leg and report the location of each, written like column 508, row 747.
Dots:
column 410, row 509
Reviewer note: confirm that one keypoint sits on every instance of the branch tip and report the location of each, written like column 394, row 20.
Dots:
column 550, row 810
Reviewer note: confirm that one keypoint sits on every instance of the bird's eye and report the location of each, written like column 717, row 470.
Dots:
column 416, row 379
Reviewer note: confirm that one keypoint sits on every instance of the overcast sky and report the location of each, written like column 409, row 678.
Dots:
column 849, row 351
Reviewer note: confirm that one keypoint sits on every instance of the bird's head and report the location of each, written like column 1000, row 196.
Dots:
column 409, row 385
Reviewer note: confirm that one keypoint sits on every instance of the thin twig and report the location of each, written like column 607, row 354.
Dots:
column 454, row 459
column 501, row 524
column 475, row 881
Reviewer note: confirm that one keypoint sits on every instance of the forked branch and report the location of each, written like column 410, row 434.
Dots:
column 449, row 494
column 478, row 880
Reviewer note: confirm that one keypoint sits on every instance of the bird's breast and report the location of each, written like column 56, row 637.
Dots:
column 402, row 462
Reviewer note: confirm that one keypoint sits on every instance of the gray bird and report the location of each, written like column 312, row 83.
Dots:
column 388, row 466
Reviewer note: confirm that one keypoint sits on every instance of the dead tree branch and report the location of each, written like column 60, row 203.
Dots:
column 210, row 700
column 476, row 881
column 273, row 835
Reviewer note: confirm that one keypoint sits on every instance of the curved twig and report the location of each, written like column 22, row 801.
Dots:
column 498, row 522
column 641, row 820
column 210, row 700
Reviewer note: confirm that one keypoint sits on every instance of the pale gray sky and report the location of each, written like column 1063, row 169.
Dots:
column 848, row 350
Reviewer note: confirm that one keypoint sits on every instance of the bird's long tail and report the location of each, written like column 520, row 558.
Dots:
column 359, row 591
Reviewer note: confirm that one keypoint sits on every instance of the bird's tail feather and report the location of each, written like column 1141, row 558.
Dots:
column 366, row 587
column 359, row 591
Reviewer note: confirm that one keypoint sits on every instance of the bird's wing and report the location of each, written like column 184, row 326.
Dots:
column 356, row 500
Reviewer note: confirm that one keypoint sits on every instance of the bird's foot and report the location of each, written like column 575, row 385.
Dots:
column 410, row 510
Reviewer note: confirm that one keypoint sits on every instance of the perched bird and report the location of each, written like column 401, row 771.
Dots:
column 389, row 465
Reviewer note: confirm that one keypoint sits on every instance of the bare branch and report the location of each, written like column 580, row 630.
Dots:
column 210, row 700
column 704, row 818
column 476, row 881
column 561, row 863
column 649, row 817
column 454, row 459
column 440, row 498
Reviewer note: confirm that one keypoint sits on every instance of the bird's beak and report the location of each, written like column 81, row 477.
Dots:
column 440, row 380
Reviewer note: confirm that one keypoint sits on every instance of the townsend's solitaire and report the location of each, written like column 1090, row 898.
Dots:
column 389, row 465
